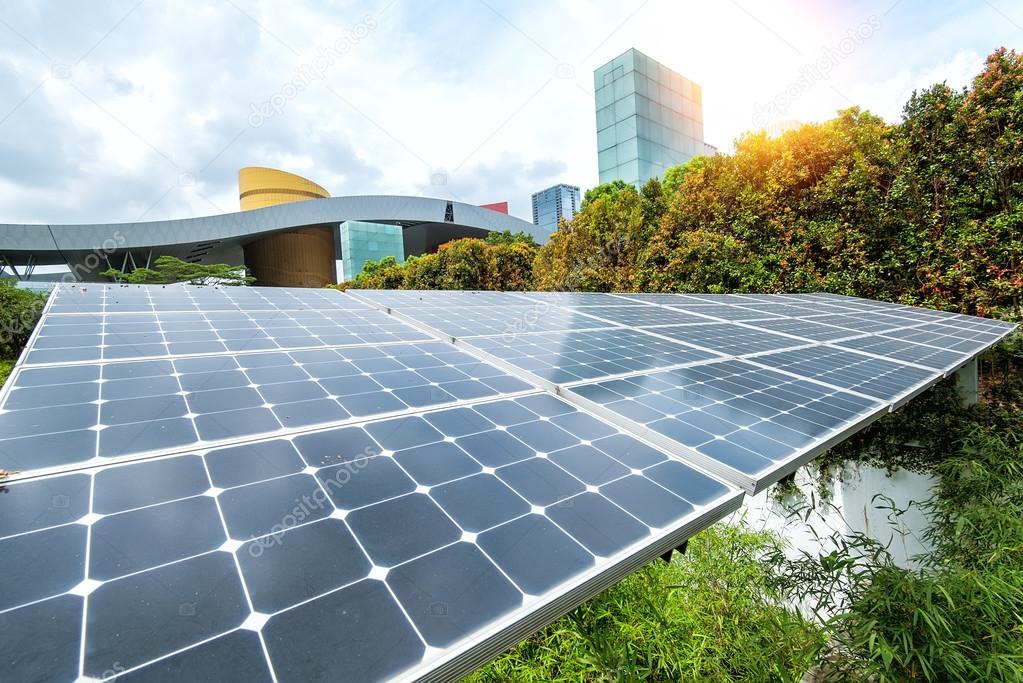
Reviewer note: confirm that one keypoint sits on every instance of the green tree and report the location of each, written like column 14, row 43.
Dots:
column 674, row 175
column 421, row 272
column 605, row 190
column 168, row 270
column 383, row 274
column 509, row 237
column 699, row 261
column 465, row 264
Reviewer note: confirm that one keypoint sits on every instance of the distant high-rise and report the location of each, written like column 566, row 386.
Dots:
column 553, row 204
column 649, row 118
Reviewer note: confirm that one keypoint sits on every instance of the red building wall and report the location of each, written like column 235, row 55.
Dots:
column 500, row 207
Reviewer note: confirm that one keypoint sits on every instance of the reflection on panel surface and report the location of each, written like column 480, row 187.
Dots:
column 563, row 357
column 749, row 419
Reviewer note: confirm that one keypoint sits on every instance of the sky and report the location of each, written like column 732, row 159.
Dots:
column 129, row 111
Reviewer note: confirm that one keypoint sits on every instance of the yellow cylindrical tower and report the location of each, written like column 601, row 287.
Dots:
column 297, row 258
column 259, row 187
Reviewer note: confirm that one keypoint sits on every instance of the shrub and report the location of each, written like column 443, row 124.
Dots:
column 19, row 311
column 504, row 263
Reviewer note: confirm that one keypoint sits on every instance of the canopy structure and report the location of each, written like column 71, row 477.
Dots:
column 298, row 484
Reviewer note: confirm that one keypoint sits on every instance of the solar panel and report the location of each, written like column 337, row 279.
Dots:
column 644, row 316
column 758, row 423
column 711, row 298
column 790, row 310
column 397, row 546
column 564, row 357
column 665, row 299
column 578, row 299
column 725, row 312
column 919, row 354
column 359, row 496
column 883, row 379
column 862, row 322
column 104, row 322
column 966, row 337
column 100, row 298
column 517, row 318
column 731, row 340
column 809, row 330
column 436, row 299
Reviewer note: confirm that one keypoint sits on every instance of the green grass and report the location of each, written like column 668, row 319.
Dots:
column 710, row 615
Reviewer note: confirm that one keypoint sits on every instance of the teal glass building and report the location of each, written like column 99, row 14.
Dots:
column 649, row 118
column 362, row 241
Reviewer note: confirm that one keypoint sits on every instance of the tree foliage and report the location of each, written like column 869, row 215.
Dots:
column 509, row 237
column 505, row 263
column 169, row 270
column 609, row 189
column 19, row 311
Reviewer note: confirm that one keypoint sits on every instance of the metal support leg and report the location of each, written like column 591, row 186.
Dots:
column 17, row 275
column 681, row 549
column 966, row 381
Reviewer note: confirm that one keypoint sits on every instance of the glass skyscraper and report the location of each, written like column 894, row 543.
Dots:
column 550, row 205
column 649, row 118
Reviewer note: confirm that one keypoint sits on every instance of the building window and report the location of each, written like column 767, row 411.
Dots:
column 449, row 213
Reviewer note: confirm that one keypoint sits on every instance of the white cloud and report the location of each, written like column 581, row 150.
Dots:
column 496, row 96
column 887, row 97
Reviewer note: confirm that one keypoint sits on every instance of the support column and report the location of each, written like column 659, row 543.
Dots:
column 966, row 382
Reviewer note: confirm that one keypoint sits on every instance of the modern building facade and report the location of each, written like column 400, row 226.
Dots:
column 649, row 118
column 303, row 257
column 553, row 204
column 288, row 233
column 361, row 241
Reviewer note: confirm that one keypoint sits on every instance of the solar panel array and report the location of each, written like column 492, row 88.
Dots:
column 274, row 484
column 352, row 495
column 814, row 367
